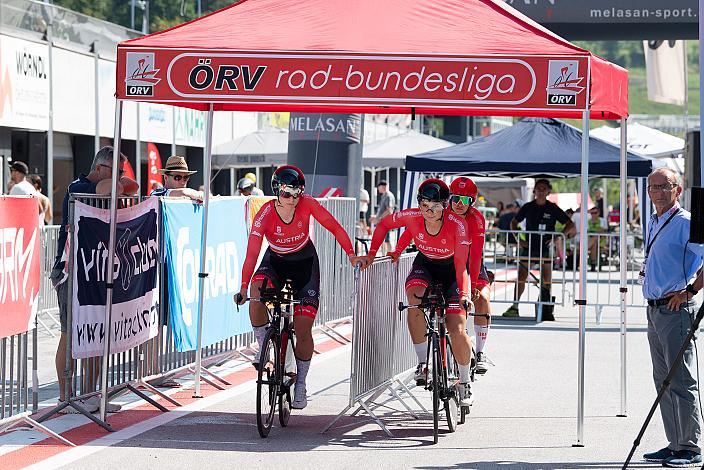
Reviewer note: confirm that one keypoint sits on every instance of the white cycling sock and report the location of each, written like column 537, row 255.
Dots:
column 421, row 352
column 302, row 372
column 259, row 333
column 480, row 333
column 464, row 373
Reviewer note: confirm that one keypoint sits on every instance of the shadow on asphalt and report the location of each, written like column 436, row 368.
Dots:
column 223, row 431
column 492, row 465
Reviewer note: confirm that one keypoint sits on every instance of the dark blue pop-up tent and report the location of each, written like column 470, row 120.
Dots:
column 532, row 147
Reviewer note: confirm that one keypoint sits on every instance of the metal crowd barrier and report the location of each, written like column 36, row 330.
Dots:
column 506, row 252
column 48, row 306
column 15, row 409
column 336, row 277
column 604, row 269
column 381, row 348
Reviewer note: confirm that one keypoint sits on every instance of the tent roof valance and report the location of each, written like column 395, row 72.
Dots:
column 395, row 56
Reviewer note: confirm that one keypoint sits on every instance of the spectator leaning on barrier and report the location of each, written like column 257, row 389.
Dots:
column 540, row 215
column 46, row 213
column 98, row 181
column 387, row 206
column 671, row 276
column 176, row 175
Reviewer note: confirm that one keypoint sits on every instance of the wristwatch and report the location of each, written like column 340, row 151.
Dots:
column 690, row 288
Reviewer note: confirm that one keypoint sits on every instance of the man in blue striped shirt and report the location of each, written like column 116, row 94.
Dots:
column 671, row 276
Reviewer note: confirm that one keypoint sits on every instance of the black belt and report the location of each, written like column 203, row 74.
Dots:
column 659, row 302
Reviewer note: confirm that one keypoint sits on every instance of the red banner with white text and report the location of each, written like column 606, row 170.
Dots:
column 537, row 83
column 19, row 264
column 154, row 178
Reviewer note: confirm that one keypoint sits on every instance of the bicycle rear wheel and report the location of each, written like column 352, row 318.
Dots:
column 449, row 391
column 268, row 382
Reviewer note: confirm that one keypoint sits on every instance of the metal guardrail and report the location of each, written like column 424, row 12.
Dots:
column 508, row 252
column 336, row 277
column 381, row 348
column 604, row 265
column 48, row 306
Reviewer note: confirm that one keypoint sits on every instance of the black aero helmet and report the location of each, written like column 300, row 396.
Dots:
column 290, row 176
column 434, row 190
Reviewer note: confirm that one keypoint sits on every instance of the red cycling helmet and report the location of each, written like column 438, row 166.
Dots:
column 464, row 186
column 289, row 175
column 434, row 190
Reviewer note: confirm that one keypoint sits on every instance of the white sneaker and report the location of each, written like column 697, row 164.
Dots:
column 300, row 400
column 421, row 374
column 465, row 392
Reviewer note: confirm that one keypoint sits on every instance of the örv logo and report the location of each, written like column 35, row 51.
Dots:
column 563, row 82
column 140, row 74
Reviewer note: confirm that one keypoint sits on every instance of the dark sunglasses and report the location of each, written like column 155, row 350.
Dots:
column 121, row 172
column 466, row 200
column 180, row 177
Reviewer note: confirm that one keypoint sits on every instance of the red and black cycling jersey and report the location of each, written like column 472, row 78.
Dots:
column 476, row 229
column 450, row 242
column 286, row 239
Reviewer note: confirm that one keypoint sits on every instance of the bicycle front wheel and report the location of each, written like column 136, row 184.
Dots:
column 268, row 382
column 435, row 381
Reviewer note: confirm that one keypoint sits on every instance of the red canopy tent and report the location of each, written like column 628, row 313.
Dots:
column 470, row 57
column 448, row 57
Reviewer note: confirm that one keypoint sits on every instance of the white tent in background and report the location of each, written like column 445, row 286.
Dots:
column 264, row 147
column 647, row 142
column 392, row 152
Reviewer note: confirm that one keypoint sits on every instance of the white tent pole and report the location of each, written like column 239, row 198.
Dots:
column 110, row 276
column 623, row 261
column 203, row 244
column 582, row 300
column 138, row 158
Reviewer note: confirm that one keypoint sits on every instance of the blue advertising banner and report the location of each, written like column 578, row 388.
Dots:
column 225, row 253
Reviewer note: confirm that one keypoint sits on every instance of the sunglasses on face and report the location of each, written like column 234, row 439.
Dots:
column 180, row 177
column 121, row 172
column 465, row 200
column 287, row 192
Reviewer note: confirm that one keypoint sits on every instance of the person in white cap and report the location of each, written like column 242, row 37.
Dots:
column 253, row 178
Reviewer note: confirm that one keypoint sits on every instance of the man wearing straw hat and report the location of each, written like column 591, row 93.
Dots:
column 176, row 175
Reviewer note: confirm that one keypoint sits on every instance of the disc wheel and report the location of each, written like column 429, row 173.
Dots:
column 268, row 380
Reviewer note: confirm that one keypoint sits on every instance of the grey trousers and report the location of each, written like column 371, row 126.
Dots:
column 679, row 407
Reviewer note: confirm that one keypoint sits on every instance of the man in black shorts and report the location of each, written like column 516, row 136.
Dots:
column 540, row 215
